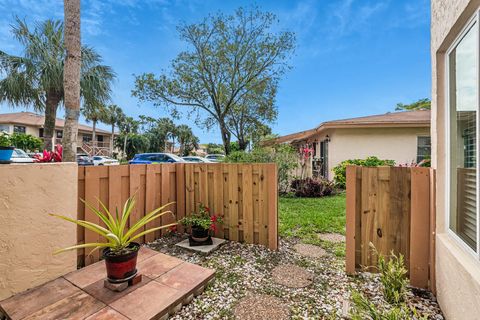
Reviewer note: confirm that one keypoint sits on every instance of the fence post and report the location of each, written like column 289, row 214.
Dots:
column 351, row 218
column 420, row 227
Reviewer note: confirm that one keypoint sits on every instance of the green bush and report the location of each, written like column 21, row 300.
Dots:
column 284, row 156
column 26, row 142
column 5, row 140
column 340, row 171
column 312, row 187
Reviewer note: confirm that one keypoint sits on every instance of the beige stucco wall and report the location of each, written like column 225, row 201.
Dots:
column 28, row 235
column 458, row 272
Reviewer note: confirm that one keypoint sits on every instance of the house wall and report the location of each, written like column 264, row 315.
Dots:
column 28, row 235
column 458, row 272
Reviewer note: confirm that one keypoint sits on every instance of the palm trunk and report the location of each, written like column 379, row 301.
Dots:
column 94, row 135
column 71, row 78
column 112, row 140
column 125, row 146
column 51, row 106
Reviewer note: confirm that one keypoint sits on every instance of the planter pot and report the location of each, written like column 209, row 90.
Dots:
column 6, row 154
column 199, row 234
column 121, row 268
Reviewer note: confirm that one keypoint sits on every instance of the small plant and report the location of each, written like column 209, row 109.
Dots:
column 50, row 156
column 312, row 187
column 116, row 233
column 203, row 219
column 5, row 140
column 393, row 276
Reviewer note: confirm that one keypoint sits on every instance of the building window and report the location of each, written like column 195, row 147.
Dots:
column 40, row 132
column 462, row 116
column 4, row 128
column 19, row 129
column 87, row 138
column 100, row 138
column 59, row 134
column 424, row 148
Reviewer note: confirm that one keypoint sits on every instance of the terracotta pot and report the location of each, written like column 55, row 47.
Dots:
column 199, row 234
column 121, row 268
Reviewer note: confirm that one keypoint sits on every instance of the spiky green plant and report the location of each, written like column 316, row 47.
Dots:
column 116, row 233
column 393, row 276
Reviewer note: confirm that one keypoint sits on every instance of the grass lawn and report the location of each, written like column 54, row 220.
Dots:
column 305, row 218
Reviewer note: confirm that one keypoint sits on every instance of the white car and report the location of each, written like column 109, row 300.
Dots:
column 20, row 156
column 215, row 157
column 196, row 159
column 104, row 161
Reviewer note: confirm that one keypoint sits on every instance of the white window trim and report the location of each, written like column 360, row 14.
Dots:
column 474, row 19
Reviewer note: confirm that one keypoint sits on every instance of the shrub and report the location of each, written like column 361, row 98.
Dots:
column 26, row 142
column 340, row 171
column 393, row 276
column 311, row 187
column 5, row 140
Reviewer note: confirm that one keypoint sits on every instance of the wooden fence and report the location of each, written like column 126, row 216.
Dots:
column 392, row 208
column 245, row 194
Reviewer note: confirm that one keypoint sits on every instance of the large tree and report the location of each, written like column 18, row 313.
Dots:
column 422, row 104
column 94, row 112
column 71, row 78
column 113, row 116
column 128, row 127
column 35, row 79
column 187, row 140
column 229, row 58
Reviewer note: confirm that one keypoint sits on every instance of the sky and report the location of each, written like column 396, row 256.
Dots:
column 353, row 57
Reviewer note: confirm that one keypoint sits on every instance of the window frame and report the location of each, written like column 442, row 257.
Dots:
column 474, row 21
column 24, row 130
column 418, row 145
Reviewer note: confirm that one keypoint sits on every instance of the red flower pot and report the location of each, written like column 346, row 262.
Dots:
column 121, row 268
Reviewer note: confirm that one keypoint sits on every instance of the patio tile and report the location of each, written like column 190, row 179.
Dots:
column 151, row 301
column 107, row 313
column 77, row 306
column 157, row 265
column 145, row 253
column 37, row 298
column 186, row 277
column 107, row 296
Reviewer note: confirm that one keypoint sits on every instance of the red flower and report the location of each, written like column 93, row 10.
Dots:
column 213, row 227
column 172, row 228
column 213, row 218
column 207, row 209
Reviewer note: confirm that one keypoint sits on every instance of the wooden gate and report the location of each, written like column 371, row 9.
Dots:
column 393, row 209
column 245, row 194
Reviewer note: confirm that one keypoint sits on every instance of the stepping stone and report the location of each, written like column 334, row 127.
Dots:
column 310, row 250
column 332, row 237
column 261, row 307
column 292, row 276
column 217, row 242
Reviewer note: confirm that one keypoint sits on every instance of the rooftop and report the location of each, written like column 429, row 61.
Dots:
column 37, row 120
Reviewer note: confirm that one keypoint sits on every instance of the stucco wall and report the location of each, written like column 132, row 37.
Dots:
column 458, row 273
column 28, row 235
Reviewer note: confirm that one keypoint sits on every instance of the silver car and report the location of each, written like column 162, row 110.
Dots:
column 20, row 156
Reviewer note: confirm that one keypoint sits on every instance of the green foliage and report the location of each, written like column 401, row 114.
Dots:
column 135, row 143
column 284, row 156
column 340, row 171
column 364, row 309
column 116, row 232
column 234, row 146
column 215, row 148
column 26, row 142
column 422, row 104
column 5, row 139
column 393, row 276
column 201, row 219
column 230, row 74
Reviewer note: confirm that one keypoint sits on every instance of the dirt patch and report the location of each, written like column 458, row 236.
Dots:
column 310, row 250
column 260, row 307
column 292, row 276
column 332, row 237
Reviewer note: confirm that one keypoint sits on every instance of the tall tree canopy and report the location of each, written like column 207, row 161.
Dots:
column 113, row 116
column 35, row 79
column 422, row 104
column 232, row 62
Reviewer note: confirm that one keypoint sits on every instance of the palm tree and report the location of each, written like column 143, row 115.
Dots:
column 113, row 116
column 71, row 78
column 127, row 125
column 94, row 112
column 187, row 139
column 36, row 78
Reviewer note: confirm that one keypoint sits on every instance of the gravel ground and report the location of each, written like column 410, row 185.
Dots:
column 243, row 270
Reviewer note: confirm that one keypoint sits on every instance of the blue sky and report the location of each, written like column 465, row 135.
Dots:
column 353, row 57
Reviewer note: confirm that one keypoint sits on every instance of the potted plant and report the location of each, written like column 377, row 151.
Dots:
column 6, row 148
column 119, row 250
column 201, row 223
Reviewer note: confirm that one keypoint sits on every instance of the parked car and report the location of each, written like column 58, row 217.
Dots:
column 196, row 159
column 149, row 158
column 20, row 156
column 215, row 157
column 104, row 161
column 84, row 160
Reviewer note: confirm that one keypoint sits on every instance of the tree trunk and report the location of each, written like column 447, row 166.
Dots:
column 71, row 78
column 225, row 137
column 51, row 106
column 125, row 146
column 112, row 139
column 242, row 144
column 94, row 135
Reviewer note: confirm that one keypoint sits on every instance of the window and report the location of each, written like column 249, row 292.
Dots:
column 59, row 134
column 423, row 148
column 4, row 128
column 462, row 117
column 19, row 129
column 40, row 132
column 87, row 138
column 100, row 138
